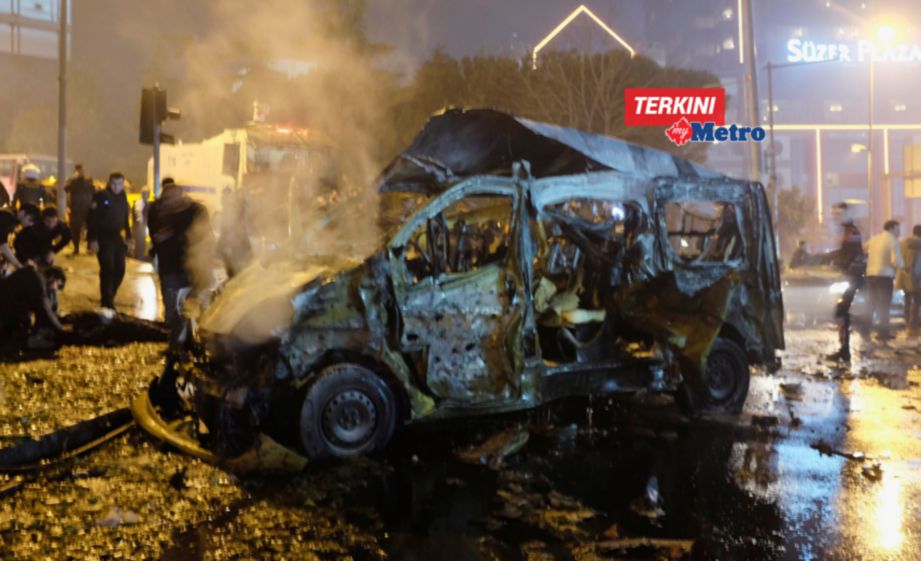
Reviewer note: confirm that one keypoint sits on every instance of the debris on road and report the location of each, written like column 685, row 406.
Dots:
column 494, row 450
column 117, row 516
column 27, row 455
column 792, row 391
column 648, row 505
column 873, row 472
column 177, row 480
column 765, row 421
column 826, row 449
column 679, row 546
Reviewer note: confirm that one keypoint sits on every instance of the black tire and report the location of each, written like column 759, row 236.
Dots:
column 723, row 386
column 347, row 411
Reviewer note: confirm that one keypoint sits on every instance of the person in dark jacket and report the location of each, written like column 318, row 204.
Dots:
column 30, row 191
column 850, row 260
column 81, row 191
column 24, row 294
column 175, row 223
column 109, row 236
column 801, row 256
column 10, row 222
column 40, row 242
column 908, row 279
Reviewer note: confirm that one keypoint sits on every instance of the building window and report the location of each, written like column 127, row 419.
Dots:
column 704, row 22
column 38, row 42
column 42, row 10
column 6, row 38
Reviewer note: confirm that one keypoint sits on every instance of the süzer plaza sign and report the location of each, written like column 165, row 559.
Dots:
column 799, row 50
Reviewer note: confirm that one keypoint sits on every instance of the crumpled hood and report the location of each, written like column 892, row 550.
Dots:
column 257, row 302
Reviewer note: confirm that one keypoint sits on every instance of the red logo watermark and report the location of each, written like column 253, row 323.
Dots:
column 679, row 132
column 662, row 107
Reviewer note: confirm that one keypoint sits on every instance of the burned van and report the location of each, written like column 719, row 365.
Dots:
column 522, row 263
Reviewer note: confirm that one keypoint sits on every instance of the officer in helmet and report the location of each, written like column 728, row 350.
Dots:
column 30, row 190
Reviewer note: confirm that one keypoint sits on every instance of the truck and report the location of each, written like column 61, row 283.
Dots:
column 283, row 167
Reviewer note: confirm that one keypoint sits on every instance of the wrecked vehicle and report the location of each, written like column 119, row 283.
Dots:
column 522, row 263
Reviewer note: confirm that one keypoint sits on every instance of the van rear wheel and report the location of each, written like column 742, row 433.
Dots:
column 347, row 411
column 723, row 386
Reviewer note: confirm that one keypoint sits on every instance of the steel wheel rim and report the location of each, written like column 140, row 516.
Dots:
column 349, row 418
column 720, row 376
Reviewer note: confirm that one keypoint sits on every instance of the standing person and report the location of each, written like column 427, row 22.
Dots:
column 139, row 224
column 30, row 191
column 41, row 241
column 849, row 259
column 175, row 221
column 908, row 279
column 800, row 257
column 81, row 191
column 884, row 258
column 9, row 222
column 109, row 236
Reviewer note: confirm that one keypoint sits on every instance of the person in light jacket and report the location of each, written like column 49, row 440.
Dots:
column 884, row 258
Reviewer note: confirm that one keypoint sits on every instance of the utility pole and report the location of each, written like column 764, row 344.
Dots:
column 62, row 108
column 156, row 158
column 752, row 82
column 772, row 153
column 870, row 205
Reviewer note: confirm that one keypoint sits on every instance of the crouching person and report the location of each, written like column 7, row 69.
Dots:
column 27, row 315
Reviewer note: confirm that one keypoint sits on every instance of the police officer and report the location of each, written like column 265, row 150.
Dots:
column 109, row 236
column 31, row 190
column 81, row 191
column 850, row 260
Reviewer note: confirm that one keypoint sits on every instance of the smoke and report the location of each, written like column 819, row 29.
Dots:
column 311, row 64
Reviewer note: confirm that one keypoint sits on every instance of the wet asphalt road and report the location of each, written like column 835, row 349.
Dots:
column 824, row 463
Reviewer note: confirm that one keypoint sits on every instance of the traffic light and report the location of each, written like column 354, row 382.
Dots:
column 153, row 112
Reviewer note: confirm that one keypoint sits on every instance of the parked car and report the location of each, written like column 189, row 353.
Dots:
column 520, row 263
column 811, row 292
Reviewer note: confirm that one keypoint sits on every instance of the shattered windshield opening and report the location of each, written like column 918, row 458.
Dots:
column 703, row 231
column 395, row 208
column 469, row 234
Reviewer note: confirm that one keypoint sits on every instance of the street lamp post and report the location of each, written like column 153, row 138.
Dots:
column 870, row 205
column 62, row 108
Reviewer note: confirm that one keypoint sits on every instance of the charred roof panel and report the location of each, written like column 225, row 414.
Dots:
column 462, row 143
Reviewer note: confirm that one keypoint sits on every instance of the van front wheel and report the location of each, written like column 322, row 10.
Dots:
column 723, row 386
column 347, row 411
